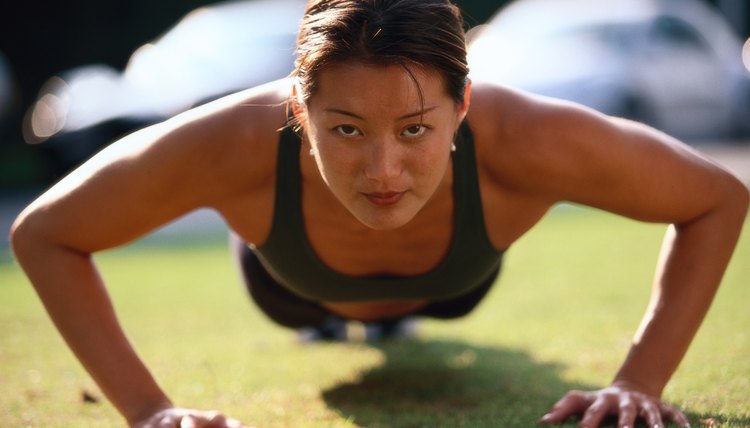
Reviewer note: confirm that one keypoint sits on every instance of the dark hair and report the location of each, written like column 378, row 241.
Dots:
column 422, row 33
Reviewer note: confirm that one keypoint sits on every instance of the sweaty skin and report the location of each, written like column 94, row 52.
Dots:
column 380, row 176
column 381, row 160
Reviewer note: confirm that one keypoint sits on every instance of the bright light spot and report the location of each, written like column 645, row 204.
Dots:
column 746, row 54
column 48, row 116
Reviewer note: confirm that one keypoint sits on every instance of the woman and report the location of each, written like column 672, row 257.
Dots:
column 391, row 158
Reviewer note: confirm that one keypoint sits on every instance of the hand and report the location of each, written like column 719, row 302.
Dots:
column 187, row 418
column 627, row 404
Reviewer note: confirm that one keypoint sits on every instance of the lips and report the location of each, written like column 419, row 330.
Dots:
column 384, row 198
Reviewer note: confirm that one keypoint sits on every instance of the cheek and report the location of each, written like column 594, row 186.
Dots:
column 427, row 168
column 434, row 157
column 336, row 165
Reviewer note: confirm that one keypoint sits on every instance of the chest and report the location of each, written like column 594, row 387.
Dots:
column 347, row 246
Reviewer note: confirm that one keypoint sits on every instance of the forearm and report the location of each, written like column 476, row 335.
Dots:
column 693, row 260
column 73, row 294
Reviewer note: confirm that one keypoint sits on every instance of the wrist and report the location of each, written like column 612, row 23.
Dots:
column 627, row 383
column 144, row 413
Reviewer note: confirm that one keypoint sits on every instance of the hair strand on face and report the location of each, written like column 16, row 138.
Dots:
column 427, row 34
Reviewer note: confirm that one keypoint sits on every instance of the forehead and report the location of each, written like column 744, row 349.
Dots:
column 370, row 87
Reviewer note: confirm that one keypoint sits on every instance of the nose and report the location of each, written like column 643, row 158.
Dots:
column 384, row 160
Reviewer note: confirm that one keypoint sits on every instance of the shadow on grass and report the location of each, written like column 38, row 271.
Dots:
column 450, row 384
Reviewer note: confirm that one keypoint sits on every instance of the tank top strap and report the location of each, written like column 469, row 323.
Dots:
column 291, row 260
column 470, row 229
column 288, row 226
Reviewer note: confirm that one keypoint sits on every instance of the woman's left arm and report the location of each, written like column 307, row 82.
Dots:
column 693, row 259
column 631, row 169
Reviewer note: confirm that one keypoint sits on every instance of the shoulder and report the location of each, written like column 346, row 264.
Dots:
column 551, row 150
column 246, row 120
column 531, row 143
column 217, row 155
column 225, row 145
column 522, row 121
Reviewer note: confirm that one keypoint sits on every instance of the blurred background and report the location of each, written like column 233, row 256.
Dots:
column 76, row 75
column 71, row 60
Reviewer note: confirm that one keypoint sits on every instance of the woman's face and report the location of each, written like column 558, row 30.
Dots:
column 381, row 150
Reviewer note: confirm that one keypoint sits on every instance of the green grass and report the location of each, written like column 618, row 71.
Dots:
column 561, row 317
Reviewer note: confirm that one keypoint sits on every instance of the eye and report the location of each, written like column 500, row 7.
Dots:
column 414, row 131
column 347, row 130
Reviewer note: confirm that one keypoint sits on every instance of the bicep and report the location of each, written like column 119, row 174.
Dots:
column 133, row 186
column 625, row 167
column 651, row 176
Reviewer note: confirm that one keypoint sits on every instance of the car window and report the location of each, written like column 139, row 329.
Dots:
column 672, row 33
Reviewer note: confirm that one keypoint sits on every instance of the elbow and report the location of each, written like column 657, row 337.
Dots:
column 35, row 236
column 30, row 244
column 726, row 204
column 21, row 236
column 745, row 198
column 736, row 199
column 741, row 196
column 26, row 236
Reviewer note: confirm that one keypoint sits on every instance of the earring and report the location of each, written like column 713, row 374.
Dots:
column 453, row 147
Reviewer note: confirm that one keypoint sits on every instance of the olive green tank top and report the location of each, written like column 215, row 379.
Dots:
column 290, row 259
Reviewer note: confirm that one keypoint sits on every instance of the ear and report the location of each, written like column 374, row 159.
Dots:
column 463, row 108
column 298, row 104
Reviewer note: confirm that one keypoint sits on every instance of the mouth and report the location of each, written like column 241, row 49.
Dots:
column 384, row 198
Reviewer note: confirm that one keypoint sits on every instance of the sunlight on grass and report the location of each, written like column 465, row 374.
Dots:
column 561, row 317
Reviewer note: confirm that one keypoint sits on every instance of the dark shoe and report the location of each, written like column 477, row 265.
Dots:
column 396, row 329
column 332, row 330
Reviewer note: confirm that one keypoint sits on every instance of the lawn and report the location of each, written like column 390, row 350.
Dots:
column 561, row 317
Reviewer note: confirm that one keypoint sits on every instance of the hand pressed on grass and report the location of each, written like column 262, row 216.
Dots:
column 188, row 418
column 628, row 405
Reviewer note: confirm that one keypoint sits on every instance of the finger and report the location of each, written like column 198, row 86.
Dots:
column 628, row 414
column 674, row 415
column 168, row 420
column 596, row 412
column 162, row 423
column 652, row 415
column 233, row 423
column 189, row 421
column 574, row 402
column 214, row 419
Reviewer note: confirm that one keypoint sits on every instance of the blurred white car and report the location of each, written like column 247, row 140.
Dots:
column 675, row 64
column 212, row 51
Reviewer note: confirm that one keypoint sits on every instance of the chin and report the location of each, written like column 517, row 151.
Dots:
column 386, row 219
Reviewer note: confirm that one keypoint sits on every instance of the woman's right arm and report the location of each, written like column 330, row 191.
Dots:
column 73, row 294
column 127, row 190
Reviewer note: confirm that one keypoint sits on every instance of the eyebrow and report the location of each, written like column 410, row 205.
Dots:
column 356, row 116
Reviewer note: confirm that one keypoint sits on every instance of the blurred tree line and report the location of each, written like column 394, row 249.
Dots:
column 40, row 38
